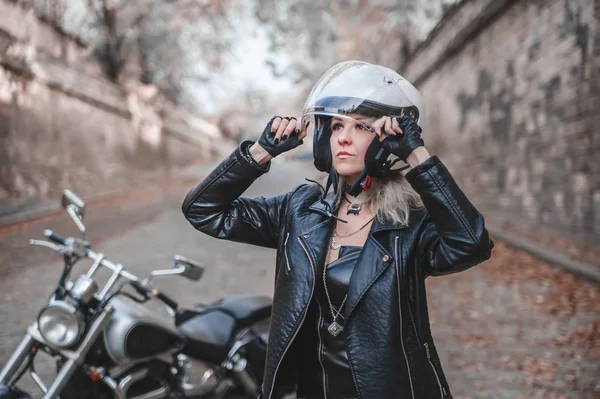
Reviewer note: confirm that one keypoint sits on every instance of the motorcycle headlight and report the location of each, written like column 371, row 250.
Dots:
column 60, row 324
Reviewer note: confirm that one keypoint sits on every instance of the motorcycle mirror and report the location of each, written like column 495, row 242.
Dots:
column 191, row 269
column 75, row 207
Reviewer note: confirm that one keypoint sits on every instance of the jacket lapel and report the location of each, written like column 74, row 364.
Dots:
column 319, row 226
column 374, row 259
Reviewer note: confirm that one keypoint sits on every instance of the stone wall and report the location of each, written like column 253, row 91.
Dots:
column 63, row 125
column 512, row 92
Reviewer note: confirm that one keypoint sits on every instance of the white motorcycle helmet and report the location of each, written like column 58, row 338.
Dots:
column 351, row 87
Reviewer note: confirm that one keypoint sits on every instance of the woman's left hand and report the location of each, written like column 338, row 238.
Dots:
column 399, row 135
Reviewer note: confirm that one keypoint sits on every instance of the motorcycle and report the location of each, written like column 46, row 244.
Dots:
column 109, row 344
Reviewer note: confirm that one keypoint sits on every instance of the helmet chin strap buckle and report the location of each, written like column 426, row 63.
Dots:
column 363, row 183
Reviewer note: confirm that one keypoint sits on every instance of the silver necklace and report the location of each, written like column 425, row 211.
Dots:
column 334, row 328
column 333, row 241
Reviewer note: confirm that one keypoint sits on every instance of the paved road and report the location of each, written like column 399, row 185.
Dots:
column 510, row 328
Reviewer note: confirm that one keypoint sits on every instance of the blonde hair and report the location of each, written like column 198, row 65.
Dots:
column 392, row 198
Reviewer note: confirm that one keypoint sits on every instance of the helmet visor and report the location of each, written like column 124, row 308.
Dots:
column 355, row 87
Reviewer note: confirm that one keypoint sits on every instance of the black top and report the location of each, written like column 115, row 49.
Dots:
column 329, row 365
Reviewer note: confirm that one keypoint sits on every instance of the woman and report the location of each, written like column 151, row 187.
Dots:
column 350, row 312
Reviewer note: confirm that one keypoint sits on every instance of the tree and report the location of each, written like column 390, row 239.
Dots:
column 155, row 41
column 318, row 34
column 187, row 47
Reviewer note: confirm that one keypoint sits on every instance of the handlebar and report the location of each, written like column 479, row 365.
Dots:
column 142, row 290
column 167, row 301
column 80, row 248
column 100, row 260
column 74, row 245
column 54, row 237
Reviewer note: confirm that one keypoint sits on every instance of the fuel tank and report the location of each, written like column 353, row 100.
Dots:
column 137, row 331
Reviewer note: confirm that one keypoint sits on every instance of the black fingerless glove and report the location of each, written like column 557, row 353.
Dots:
column 401, row 145
column 267, row 140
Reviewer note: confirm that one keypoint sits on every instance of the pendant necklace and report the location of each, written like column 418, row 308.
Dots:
column 353, row 208
column 335, row 328
column 333, row 241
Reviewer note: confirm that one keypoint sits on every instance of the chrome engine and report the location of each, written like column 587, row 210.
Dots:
column 199, row 378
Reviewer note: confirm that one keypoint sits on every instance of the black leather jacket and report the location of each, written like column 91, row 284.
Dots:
column 388, row 337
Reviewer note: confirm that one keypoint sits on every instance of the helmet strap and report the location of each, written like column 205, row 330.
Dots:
column 332, row 180
column 362, row 183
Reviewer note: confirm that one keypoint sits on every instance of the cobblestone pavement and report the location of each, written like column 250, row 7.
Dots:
column 512, row 327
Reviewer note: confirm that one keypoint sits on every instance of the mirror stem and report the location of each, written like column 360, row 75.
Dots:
column 73, row 214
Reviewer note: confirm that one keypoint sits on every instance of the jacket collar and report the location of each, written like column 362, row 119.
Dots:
column 319, row 206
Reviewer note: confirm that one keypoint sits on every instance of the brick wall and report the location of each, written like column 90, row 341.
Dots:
column 512, row 92
column 62, row 125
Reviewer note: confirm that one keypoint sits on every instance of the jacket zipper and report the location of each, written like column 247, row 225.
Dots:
column 287, row 261
column 414, row 325
column 321, row 349
column 301, row 322
column 442, row 390
column 412, row 391
column 320, row 354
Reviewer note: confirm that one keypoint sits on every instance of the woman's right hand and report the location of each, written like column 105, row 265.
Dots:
column 280, row 135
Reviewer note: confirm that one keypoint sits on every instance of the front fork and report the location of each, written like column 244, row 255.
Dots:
column 74, row 358
column 17, row 358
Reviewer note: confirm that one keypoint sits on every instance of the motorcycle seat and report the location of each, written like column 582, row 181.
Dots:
column 247, row 309
column 211, row 330
column 208, row 335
